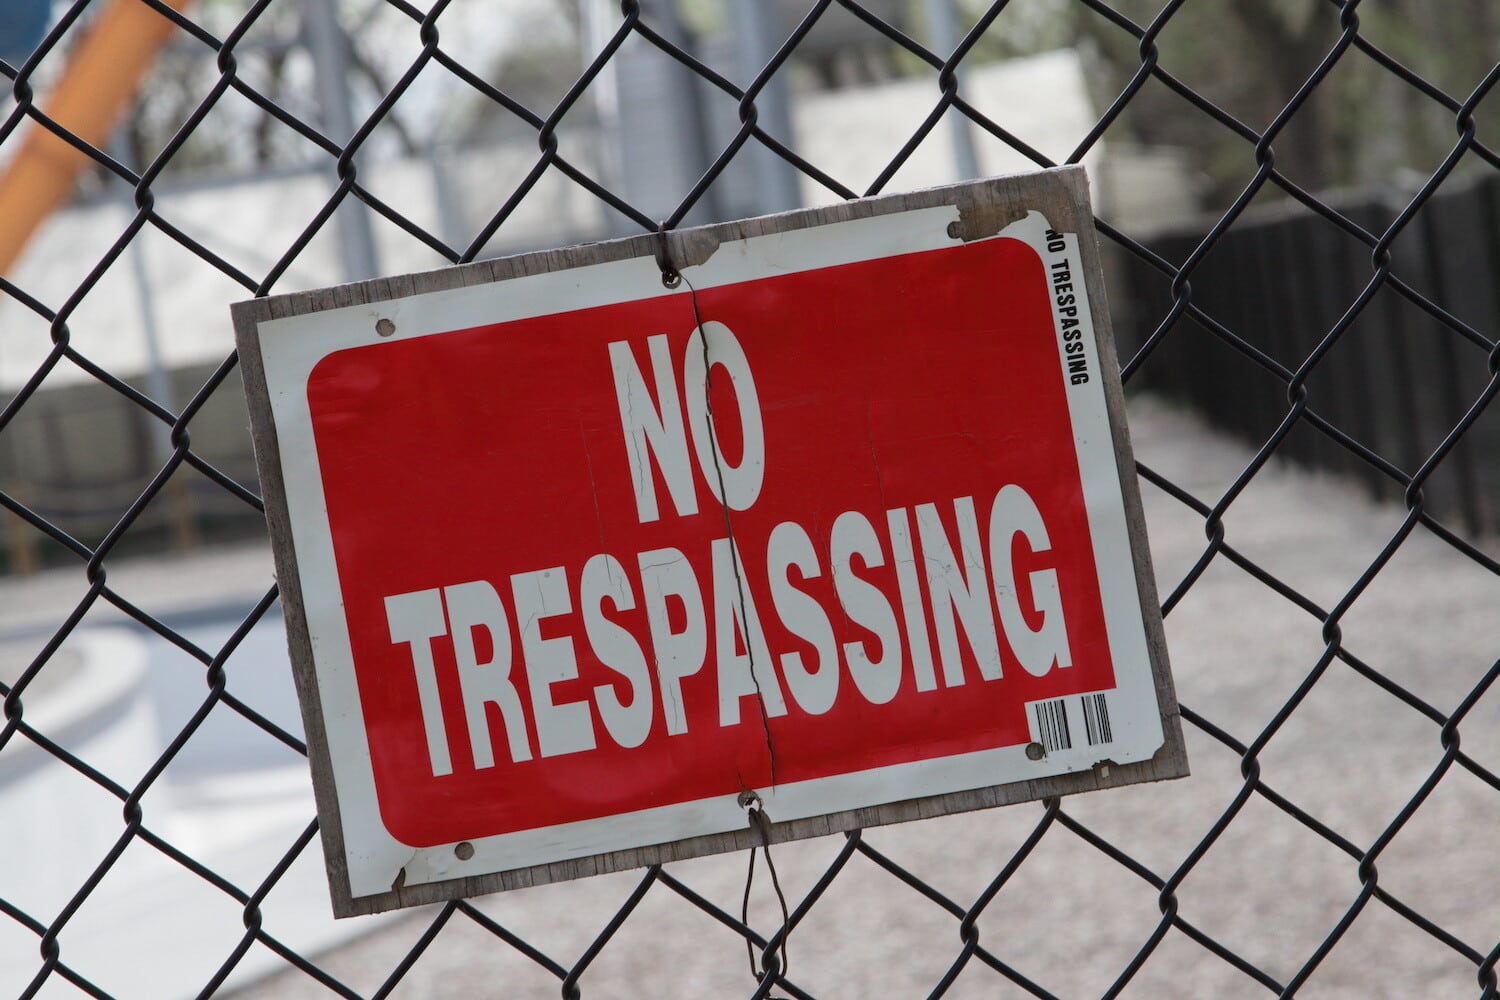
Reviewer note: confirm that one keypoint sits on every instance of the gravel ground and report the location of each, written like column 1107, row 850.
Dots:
column 1268, row 888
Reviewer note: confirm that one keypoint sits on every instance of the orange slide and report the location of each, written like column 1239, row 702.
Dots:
column 96, row 89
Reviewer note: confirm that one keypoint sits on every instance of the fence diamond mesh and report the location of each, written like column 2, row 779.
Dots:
column 1312, row 375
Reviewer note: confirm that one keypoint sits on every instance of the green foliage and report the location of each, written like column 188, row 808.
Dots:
column 1361, row 123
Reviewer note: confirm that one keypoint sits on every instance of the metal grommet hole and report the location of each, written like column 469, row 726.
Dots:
column 385, row 327
column 671, row 279
column 1035, row 751
column 463, row 851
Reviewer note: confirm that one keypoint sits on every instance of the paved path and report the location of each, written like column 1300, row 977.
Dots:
column 1269, row 888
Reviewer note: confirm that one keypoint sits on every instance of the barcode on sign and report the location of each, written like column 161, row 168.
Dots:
column 1053, row 721
column 1052, row 729
column 1096, row 719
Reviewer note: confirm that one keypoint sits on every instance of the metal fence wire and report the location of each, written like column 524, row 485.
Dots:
column 1334, row 633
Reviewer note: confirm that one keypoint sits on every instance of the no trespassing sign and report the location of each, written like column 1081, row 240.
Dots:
column 573, row 560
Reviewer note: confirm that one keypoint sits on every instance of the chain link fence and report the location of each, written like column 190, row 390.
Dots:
column 1334, row 633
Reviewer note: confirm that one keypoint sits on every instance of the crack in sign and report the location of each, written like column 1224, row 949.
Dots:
column 746, row 622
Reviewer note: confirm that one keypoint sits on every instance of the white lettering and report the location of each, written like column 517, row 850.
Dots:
column 735, row 616
column 476, row 605
column 666, row 573
column 865, row 605
column 560, row 728
column 651, row 431
column 813, row 689
column 604, row 580
column 742, row 482
column 962, row 590
column 417, row 618
column 911, row 598
column 1015, row 513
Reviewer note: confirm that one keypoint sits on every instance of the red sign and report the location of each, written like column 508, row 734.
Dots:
column 836, row 525
column 549, row 604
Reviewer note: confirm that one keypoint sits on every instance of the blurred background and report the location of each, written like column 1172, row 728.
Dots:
column 453, row 160
column 454, row 152
column 1299, row 206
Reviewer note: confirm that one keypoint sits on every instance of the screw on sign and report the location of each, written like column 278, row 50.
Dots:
column 572, row 560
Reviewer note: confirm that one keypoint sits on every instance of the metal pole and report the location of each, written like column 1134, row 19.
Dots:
column 650, row 116
column 756, row 35
column 452, row 226
column 158, row 382
column 329, row 45
column 942, row 25
column 180, row 519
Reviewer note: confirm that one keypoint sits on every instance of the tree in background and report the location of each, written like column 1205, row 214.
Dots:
column 1361, row 124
